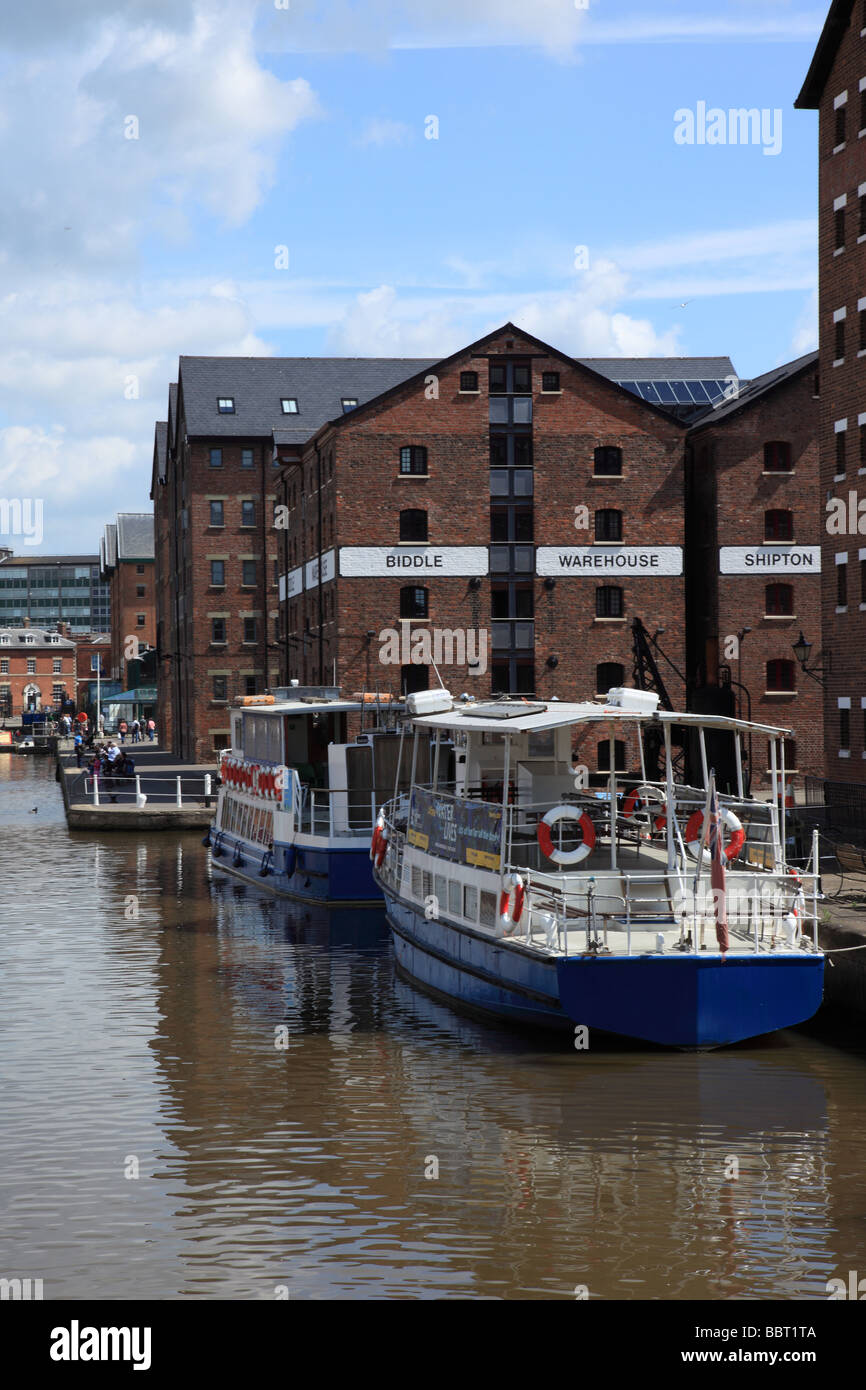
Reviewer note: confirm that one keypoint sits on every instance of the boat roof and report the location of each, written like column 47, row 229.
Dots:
column 301, row 706
column 504, row 717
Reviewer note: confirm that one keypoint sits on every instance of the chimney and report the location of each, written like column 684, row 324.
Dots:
column 26, row 622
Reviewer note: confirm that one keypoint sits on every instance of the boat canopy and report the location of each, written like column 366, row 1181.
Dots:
column 517, row 717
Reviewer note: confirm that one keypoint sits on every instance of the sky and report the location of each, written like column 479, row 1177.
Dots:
column 392, row 177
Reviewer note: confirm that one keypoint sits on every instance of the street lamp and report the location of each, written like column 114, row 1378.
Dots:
column 802, row 651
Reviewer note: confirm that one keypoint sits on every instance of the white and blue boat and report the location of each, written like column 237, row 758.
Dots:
column 298, row 794
column 515, row 887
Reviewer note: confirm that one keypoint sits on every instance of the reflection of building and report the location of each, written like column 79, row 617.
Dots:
column 126, row 564
column 835, row 87
column 37, row 670
column 49, row 589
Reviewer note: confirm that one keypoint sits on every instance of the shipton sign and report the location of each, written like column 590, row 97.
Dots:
column 770, row 559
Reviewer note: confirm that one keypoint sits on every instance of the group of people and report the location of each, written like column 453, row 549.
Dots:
column 108, row 764
column 138, row 728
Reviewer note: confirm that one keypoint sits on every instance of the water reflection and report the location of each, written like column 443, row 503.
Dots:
column 145, row 1002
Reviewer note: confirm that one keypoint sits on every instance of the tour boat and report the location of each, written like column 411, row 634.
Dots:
column 297, row 799
column 658, row 906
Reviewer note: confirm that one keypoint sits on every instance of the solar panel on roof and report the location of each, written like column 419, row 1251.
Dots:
column 681, row 393
column 629, row 386
column 665, row 392
column 698, row 392
column 648, row 391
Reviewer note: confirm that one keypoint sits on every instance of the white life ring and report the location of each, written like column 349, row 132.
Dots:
column 545, row 838
column 694, row 830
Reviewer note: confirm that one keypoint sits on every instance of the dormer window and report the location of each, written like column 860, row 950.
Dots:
column 28, row 639
column 5, row 639
column 226, row 405
column 289, row 405
column 349, row 403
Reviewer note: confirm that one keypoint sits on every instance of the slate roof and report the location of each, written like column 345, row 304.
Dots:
column 108, row 548
column 160, row 445
column 172, row 413
column 661, row 368
column 835, row 26
column 751, row 391
column 17, row 635
column 258, row 384
column 50, row 560
column 135, row 536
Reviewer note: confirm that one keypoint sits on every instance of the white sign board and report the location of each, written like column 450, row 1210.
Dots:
column 603, row 561
column 311, row 573
column 295, row 582
column 378, row 561
column 770, row 559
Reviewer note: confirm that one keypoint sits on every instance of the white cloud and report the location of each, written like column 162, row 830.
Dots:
column 805, row 338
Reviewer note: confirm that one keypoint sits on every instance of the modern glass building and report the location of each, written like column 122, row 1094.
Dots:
column 49, row 589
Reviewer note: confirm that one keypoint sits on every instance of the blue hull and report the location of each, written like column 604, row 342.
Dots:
column 325, row 876
column 682, row 1001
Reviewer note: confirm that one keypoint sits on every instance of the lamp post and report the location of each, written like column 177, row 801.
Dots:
column 802, row 650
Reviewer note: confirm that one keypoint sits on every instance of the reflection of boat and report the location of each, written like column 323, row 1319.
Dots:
column 298, row 800
column 490, row 904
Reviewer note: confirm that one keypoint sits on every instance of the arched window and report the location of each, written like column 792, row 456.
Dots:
column 781, row 676
column 778, row 526
column 413, row 602
column 603, row 753
column 608, row 601
column 609, row 675
column 779, row 600
column 608, row 461
column 778, row 457
column 413, row 525
column 608, row 525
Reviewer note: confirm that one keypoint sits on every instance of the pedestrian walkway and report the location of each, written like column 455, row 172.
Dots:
column 164, row 793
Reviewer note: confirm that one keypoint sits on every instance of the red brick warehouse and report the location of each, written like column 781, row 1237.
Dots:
column 835, row 86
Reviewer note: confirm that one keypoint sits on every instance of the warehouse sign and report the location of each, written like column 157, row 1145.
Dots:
column 770, row 559
column 292, row 584
column 379, row 561
column 599, row 561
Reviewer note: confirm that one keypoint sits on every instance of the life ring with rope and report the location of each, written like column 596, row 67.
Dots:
column 511, row 901
column 637, row 800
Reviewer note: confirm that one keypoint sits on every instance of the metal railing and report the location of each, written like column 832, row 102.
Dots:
column 98, row 787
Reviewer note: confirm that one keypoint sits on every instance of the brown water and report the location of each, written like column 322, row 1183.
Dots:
column 139, row 999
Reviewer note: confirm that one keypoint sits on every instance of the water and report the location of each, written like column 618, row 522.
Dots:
column 140, row 1003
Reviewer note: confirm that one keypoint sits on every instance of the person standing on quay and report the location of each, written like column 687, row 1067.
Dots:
column 136, row 731
column 123, row 730
column 78, row 744
column 151, row 730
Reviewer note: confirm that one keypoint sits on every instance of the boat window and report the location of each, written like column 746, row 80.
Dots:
column 487, row 917
column 541, row 744
column 440, row 891
column 455, row 896
column 470, row 902
column 417, row 882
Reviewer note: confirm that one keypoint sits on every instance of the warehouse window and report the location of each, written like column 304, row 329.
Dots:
column 608, row 601
column 609, row 675
column 841, row 586
column 468, row 381
column 603, row 755
column 779, row 600
column 778, row 457
column 608, row 525
column 246, row 458
column 608, row 462
column 249, row 629
column 413, row 459
column 778, row 526
column 220, row 687
column 781, row 677
column 216, row 514
column 413, row 526
column 226, row 405
column 413, row 602
column 216, row 458
column 248, row 573
column 248, row 513
column 289, row 405
column 550, row 381
column 217, row 573
column 218, row 630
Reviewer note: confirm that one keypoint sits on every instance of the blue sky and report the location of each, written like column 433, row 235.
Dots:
column 305, row 127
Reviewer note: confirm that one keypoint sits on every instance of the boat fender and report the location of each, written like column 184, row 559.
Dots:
column 291, row 860
column 511, row 901
column 545, row 839
column 734, row 845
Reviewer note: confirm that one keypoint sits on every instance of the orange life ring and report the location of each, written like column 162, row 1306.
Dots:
column 545, row 839
column 738, row 834
column 634, row 799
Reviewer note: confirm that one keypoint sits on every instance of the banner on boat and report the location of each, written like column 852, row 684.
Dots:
column 465, row 832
